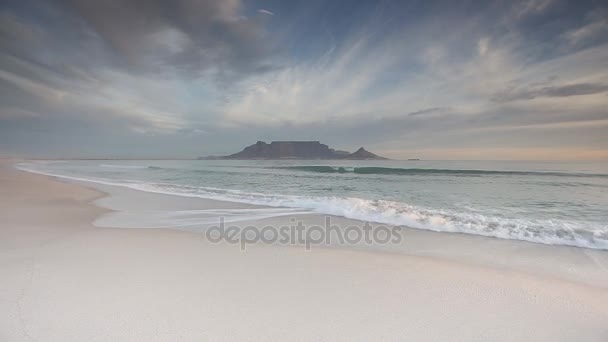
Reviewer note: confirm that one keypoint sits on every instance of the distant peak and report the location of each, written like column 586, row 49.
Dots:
column 361, row 153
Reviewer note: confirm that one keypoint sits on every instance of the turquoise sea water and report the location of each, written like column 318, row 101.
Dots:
column 550, row 202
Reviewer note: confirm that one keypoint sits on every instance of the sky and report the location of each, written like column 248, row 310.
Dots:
column 483, row 80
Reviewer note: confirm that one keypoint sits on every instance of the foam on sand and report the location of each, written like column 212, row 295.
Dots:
column 188, row 218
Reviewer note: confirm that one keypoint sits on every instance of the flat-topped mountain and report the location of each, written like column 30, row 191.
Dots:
column 296, row 150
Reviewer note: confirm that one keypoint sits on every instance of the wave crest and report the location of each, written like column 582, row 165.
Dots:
column 373, row 170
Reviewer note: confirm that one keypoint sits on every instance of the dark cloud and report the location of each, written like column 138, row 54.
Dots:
column 190, row 34
column 187, row 36
column 91, row 61
column 552, row 91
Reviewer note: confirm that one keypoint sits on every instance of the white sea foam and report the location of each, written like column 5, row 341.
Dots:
column 558, row 232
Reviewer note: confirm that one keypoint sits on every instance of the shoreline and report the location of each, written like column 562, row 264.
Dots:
column 554, row 238
column 68, row 280
column 568, row 263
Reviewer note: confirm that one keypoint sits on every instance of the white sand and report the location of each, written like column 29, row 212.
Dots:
column 137, row 209
column 64, row 280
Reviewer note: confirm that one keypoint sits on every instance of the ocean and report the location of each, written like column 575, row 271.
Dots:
column 550, row 202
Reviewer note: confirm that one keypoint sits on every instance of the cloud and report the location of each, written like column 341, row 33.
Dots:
column 532, row 7
column 8, row 112
column 185, row 35
column 32, row 87
column 207, row 77
column 141, row 104
column 264, row 11
column 595, row 28
column 143, row 63
column 374, row 75
column 483, row 46
column 457, row 89
column 15, row 30
column 552, row 91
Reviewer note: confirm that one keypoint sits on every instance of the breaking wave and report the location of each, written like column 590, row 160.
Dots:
column 419, row 171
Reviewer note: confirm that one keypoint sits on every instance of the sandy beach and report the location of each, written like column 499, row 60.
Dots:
column 63, row 279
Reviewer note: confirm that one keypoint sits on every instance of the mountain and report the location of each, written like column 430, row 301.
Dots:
column 362, row 153
column 296, row 150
